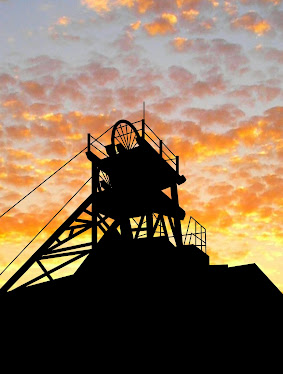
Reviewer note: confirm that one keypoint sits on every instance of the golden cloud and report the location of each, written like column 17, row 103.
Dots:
column 144, row 5
column 33, row 89
column 252, row 22
column 202, row 146
column 162, row 25
column 19, row 180
column 102, row 6
column 230, row 8
column 99, row 6
column 191, row 14
column 193, row 4
column 180, row 43
column 18, row 154
column 18, row 132
column 135, row 25
column 63, row 21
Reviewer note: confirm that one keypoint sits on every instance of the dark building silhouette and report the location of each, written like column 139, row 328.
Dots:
column 138, row 261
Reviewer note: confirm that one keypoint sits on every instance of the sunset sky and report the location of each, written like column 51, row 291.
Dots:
column 210, row 73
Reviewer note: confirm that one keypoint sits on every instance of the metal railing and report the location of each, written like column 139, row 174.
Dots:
column 99, row 146
column 197, row 234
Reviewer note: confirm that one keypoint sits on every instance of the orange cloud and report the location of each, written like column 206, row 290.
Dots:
column 67, row 88
column 194, row 4
column 187, row 84
column 214, row 3
column 191, row 3
column 56, row 147
column 18, row 132
column 252, row 22
column 271, row 54
column 181, row 76
column 211, row 86
column 261, row 2
column 63, row 21
column 135, row 25
column 99, row 6
column 225, row 115
column 44, row 65
column 230, row 8
column 162, row 25
column 191, row 14
column 168, row 105
column 51, row 126
column 208, row 24
column 13, row 105
column 102, row 6
column 144, row 5
column 33, row 89
column 50, row 164
column 18, row 154
column 56, row 35
column 181, row 44
column 212, row 52
column 18, row 180
column 220, row 189
column 6, row 80
column 126, row 41
column 200, row 146
column 261, row 92
column 97, row 74
column 131, row 96
column 84, row 123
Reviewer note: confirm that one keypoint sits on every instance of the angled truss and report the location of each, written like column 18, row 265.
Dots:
column 56, row 246
column 59, row 245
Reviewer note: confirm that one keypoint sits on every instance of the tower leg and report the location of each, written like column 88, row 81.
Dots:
column 95, row 181
column 126, row 230
column 177, row 222
column 149, row 225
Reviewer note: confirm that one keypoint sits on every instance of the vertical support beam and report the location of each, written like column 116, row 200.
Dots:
column 139, row 227
column 95, row 181
column 177, row 223
column 172, row 227
column 195, row 232
column 201, row 237
column 143, row 128
column 164, row 227
column 126, row 229
column 156, row 224
column 149, row 225
column 160, row 147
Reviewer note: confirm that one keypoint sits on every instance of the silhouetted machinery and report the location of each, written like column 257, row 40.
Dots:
column 128, row 211
column 137, row 248
column 128, row 185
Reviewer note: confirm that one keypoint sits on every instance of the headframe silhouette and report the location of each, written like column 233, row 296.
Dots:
column 137, row 249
